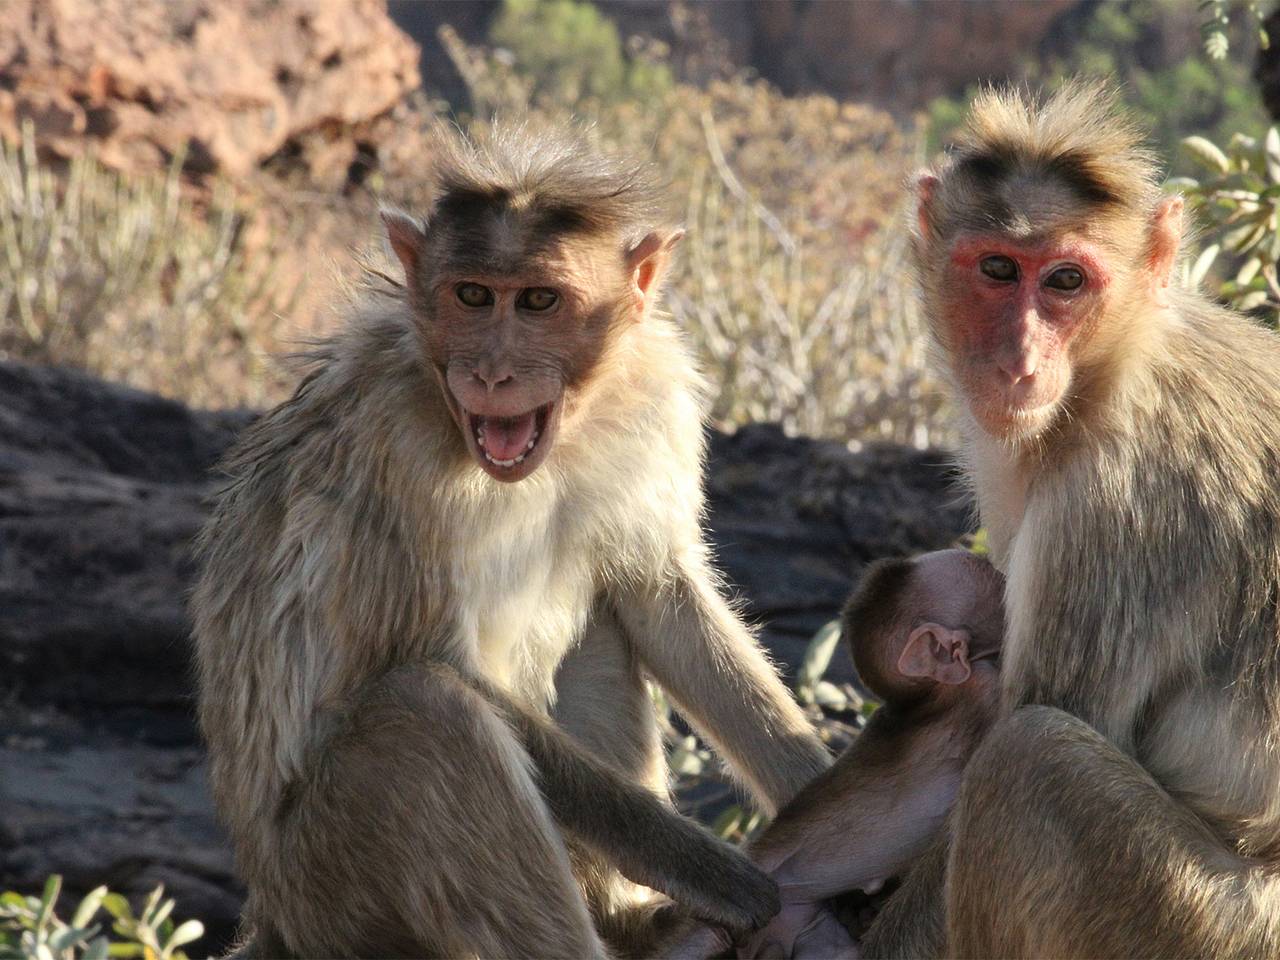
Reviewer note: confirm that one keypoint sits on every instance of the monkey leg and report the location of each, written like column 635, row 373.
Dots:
column 421, row 832
column 603, row 703
column 911, row 922
column 1063, row 846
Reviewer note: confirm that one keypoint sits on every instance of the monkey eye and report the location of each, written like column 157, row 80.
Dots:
column 999, row 268
column 537, row 298
column 1065, row 278
column 474, row 295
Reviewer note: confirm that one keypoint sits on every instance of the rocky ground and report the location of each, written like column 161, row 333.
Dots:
column 101, row 489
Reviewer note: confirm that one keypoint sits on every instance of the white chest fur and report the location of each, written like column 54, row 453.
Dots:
column 522, row 583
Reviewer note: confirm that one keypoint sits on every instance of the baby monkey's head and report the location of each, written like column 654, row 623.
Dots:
column 920, row 627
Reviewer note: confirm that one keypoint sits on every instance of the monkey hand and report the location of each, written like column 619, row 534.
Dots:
column 695, row 940
column 732, row 892
column 800, row 930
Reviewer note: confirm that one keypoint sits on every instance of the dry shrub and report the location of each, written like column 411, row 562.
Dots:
column 134, row 281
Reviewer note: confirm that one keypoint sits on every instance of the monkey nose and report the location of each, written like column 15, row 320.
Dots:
column 1020, row 367
column 493, row 379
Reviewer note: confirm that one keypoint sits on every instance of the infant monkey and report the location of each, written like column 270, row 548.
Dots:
column 925, row 636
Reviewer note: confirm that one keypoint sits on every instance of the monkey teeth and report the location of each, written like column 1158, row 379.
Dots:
column 511, row 462
column 505, row 463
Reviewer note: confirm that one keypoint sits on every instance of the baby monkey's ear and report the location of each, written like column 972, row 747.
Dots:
column 936, row 652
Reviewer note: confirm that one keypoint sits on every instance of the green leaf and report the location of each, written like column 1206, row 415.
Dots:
column 817, row 657
column 162, row 914
column 96, row 950
column 88, row 907
column 1246, row 237
column 152, row 901
column 116, row 905
column 1250, row 270
column 1251, row 300
column 1182, row 184
column 1203, row 262
column 1273, row 154
column 186, row 932
column 1207, row 153
column 69, row 936
column 685, row 763
column 52, row 887
column 727, row 822
column 827, row 694
column 125, row 950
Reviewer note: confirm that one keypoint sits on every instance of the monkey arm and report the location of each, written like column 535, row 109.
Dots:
column 699, row 652
column 646, row 840
column 863, row 820
column 855, row 826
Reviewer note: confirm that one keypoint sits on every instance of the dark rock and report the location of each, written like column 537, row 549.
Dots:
column 794, row 520
column 101, row 491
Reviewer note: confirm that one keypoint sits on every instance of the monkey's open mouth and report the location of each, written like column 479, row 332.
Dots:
column 511, row 448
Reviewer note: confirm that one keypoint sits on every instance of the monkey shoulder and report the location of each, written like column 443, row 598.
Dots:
column 1170, row 528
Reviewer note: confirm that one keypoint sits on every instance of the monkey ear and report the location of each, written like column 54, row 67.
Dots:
column 926, row 185
column 407, row 238
column 936, row 652
column 1165, row 237
column 647, row 263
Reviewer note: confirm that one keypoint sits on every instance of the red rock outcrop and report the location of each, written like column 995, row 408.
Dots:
column 235, row 80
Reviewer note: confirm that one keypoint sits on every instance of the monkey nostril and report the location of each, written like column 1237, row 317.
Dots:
column 492, row 381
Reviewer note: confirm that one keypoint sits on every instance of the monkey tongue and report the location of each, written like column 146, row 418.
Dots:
column 505, row 438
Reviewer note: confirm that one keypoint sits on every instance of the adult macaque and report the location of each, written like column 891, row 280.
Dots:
column 1124, row 445
column 441, row 572
column 925, row 636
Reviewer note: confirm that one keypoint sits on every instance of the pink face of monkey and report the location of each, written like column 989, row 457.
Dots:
column 1030, row 301
column 1016, row 312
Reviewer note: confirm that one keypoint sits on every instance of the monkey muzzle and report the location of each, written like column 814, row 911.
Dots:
column 509, row 448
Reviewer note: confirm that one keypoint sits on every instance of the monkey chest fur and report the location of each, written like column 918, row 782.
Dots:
column 521, row 601
column 523, row 580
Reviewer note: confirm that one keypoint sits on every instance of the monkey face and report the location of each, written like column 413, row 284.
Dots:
column 1013, row 315
column 518, row 320
column 512, row 350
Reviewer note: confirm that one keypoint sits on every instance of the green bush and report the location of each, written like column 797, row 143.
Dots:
column 1198, row 94
column 30, row 929
column 1237, row 200
column 574, row 52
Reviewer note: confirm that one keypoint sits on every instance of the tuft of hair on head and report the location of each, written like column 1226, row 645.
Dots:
column 1080, row 136
column 552, row 174
column 875, row 609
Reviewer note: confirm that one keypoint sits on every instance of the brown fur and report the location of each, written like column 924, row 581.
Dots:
column 423, row 689
column 1136, row 812
column 883, row 802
